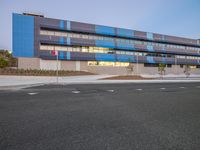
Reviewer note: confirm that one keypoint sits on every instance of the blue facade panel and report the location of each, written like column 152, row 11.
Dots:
column 125, row 46
column 104, row 30
column 61, row 55
column 68, row 55
column 150, row 48
column 125, row 33
column 68, row 41
column 149, row 36
column 163, row 37
column 164, row 60
column 62, row 24
column 163, row 49
column 61, row 40
column 68, row 25
column 23, row 35
column 104, row 57
column 125, row 58
column 150, row 59
column 107, row 44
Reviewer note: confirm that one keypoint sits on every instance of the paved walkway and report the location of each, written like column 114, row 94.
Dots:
column 24, row 80
column 6, row 82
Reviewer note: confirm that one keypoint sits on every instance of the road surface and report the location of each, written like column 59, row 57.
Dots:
column 103, row 116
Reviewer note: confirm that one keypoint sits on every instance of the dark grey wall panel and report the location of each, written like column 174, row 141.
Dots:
column 140, row 34
column 48, row 22
column 170, row 60
column 139, row 46
column 82, row 42
column 36, row 36
column 158, row 59
column 180, row 40
column 82, row 56
column 142, row 59
column 82, row 27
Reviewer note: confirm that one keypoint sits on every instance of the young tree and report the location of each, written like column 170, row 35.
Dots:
column 187, row 70
column 5, row 54
column 161, row 69
column 130, row 69
column 3, row 63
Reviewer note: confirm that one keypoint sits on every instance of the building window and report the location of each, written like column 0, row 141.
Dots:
column 193, row 66
column 150, row 65
column 169, row 65
column 105, row 63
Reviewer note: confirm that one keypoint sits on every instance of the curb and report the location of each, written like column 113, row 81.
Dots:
column 18, row 87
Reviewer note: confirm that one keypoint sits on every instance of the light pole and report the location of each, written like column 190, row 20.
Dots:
column 57, row 67
column 137, row 65
column 55, row 53
column 176, row 66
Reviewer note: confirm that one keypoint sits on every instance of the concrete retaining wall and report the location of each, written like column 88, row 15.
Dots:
column 36, row 63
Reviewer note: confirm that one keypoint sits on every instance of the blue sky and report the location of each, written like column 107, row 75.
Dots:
column 172, row 17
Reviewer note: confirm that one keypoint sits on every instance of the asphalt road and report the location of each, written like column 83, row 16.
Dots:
column 101, row 117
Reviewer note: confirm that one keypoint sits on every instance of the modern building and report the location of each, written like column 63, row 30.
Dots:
column 98, row 49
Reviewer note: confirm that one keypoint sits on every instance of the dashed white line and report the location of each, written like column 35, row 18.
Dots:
column 198, row 86
column 139, row 89
column 182, row 87
column 162, row 88
column 32, row 93
column 75, row 92
column 110, row 90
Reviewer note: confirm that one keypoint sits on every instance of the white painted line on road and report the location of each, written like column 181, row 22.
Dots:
column 32, row 93
column 198, row 86
column 139, row 89
column 182, row 87
column 110, row 90
column 75, row 92
column 162, row 88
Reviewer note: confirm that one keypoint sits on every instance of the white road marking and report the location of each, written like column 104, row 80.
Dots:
column 110, row 90
column 198, row 86
column 139, row 89
column 162, row 88
column 181, row 87
column 32, row 93
column 75, row 92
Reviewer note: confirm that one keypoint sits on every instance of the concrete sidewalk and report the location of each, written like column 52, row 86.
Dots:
column 7, row 82
column 173, row 76
column 25, row 80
